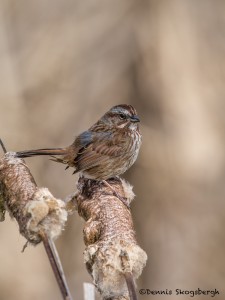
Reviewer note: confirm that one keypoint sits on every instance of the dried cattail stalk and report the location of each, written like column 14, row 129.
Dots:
column 112, row 252
column 36, row 210
column 41, row 217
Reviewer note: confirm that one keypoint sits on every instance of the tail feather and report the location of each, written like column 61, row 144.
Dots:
column 45, row 151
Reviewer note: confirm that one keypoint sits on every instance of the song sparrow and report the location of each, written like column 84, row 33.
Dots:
column 106, row 149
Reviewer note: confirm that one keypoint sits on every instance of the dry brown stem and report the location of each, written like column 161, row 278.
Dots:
column 40, row 216
column 35, row 209
column 112, row 251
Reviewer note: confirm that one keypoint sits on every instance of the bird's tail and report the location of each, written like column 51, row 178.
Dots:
column 46, row 151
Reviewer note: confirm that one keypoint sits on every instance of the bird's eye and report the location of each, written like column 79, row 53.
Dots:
column 122, row 116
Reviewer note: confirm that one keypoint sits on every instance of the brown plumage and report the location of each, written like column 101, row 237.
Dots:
column 106, row 149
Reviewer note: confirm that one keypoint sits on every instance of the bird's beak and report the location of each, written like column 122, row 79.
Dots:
column 134, row 119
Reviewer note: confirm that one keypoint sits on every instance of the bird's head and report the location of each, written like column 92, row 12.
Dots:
column 122, row 116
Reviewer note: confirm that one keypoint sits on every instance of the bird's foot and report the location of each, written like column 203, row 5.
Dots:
column 122, row 199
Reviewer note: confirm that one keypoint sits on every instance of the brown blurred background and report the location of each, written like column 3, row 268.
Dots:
column 62, row 65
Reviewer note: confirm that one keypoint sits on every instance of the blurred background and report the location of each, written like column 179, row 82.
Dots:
column 62, row 65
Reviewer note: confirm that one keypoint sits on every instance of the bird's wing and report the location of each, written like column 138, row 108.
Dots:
column 99, row 147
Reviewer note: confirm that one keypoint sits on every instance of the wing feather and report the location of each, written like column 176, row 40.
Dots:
column 102, row 146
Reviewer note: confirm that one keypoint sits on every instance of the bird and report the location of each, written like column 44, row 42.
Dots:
column 106, row 150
